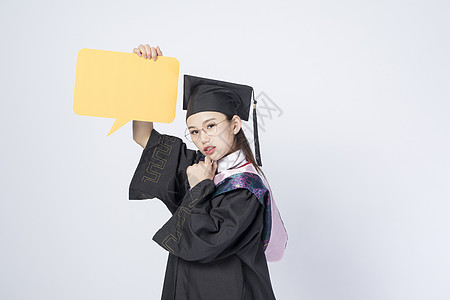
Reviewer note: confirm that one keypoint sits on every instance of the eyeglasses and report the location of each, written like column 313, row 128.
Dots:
column 209, row 127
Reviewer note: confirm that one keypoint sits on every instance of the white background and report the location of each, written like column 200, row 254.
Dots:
column 358, row 160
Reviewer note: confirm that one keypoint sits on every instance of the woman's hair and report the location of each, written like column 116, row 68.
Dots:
column 241, row 142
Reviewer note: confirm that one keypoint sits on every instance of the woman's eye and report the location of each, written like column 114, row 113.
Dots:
column 211, row 125
column 193, row 132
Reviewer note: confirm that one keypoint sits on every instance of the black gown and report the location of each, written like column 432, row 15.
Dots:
column 214, row 244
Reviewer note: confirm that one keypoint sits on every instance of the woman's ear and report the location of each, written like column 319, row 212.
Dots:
column 237, row 124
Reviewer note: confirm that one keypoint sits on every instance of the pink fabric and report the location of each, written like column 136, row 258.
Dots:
column 278, row 235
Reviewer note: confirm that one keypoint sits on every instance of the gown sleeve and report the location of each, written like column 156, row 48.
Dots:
column 161, row 171
column 199, row 232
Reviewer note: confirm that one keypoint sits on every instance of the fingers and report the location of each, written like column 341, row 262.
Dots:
column 211, row 167
column 153, row 53
column 148, row 52
column 136, row 50
column 143, row 51
column 159, row 51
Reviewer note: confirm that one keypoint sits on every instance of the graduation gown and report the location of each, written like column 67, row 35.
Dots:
column 214, row 243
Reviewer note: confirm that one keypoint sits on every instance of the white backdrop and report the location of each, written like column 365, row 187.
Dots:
column 356, row 153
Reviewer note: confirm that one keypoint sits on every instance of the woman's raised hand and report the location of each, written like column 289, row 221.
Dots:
column 201, row 171
column 148, row 52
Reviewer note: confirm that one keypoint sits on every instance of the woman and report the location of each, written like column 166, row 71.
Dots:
column 225, row 224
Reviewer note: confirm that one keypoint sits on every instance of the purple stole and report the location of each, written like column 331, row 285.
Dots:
column 274, row 235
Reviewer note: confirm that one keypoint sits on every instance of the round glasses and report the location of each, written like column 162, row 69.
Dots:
column 209, row 127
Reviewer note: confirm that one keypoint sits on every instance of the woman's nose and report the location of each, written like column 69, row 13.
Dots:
column 203, row 136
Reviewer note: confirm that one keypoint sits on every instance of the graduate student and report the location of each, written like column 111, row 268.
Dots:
column 225, row 225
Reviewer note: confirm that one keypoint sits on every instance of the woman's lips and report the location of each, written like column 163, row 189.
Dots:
column 209, row 151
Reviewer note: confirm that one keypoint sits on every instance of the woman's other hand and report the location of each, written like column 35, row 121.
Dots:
column 148, row 52
column 201, row 171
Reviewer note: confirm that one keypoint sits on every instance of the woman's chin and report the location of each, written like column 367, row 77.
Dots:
column 214, row 156
column 217, row 158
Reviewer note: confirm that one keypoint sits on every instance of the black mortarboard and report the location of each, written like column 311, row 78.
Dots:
column 204, row 94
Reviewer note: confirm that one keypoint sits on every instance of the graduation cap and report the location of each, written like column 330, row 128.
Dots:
column 205, row 94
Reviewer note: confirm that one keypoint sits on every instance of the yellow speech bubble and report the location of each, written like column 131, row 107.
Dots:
column 125, row 86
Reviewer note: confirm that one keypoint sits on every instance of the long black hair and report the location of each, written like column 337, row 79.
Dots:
column 241, row 143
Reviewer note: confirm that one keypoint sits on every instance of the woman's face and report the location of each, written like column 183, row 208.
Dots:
column 217, row 122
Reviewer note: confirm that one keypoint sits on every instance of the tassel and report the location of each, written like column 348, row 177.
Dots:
column 255, row 133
